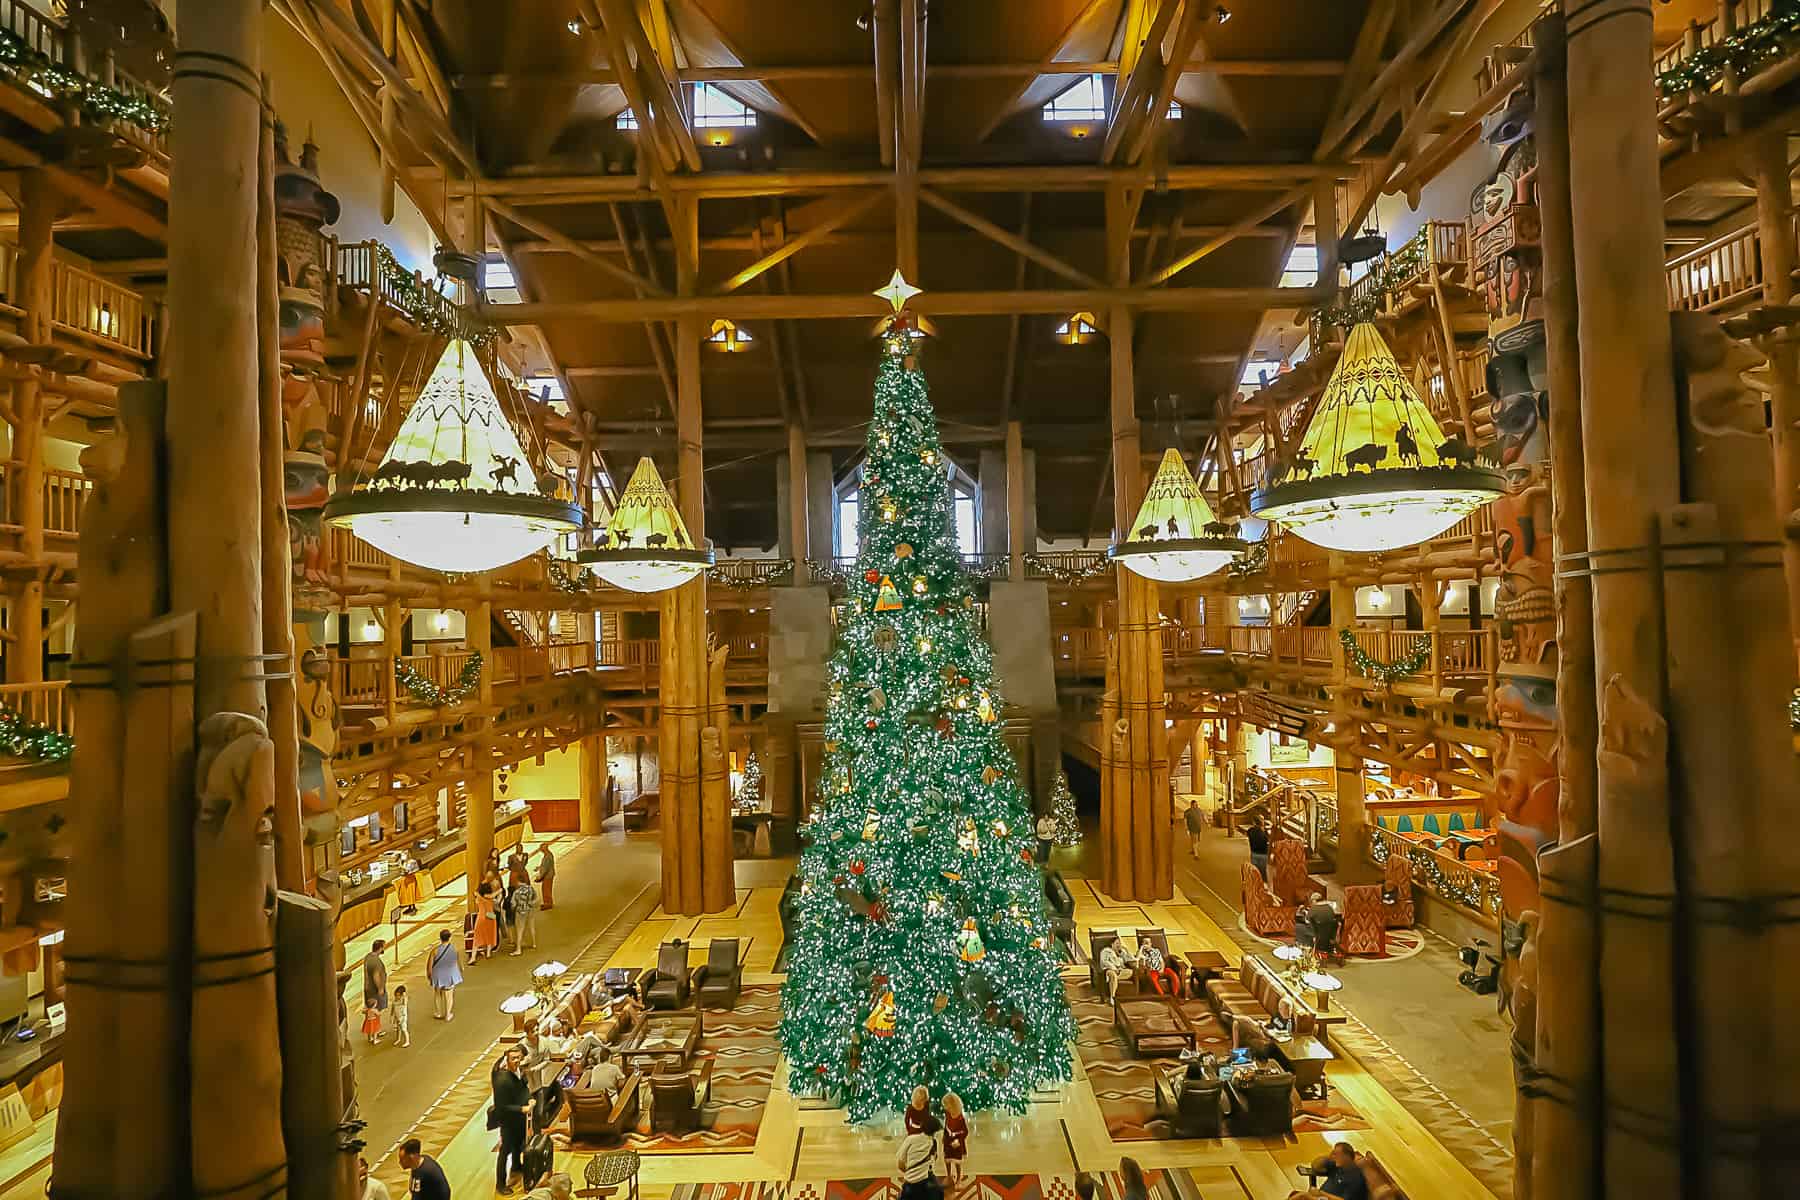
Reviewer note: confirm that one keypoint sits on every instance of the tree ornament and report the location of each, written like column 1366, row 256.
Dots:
column 925, row 644
column 871, row 826
column 944, row 728
column 858, row 866
column 967, row 839
column 952, row 876
column 1025, row 854
column 885, row 638
column 871, row 576
column 990, row 775
column 928, row 456
column 1002, row 829
column 888, row 599
column 920, row 585
column 968, row 942
column 890, row 512
column 940, row 1002
column 871, row 723
column 934, row 903
column 903, row 550
column 984, row 709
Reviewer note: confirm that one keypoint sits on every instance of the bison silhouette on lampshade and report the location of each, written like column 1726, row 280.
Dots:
column 1176, row 537
column 646, row 547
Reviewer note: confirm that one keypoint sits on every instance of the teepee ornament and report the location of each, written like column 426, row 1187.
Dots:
column 456, row 491
column 888, row 598
column 646, row 547
column 1176, row 537
column 1373, row 472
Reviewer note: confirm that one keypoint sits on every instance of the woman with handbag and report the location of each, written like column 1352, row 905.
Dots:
column 444, row 969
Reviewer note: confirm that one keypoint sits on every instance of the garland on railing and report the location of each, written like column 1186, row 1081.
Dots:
column 1474, row 891
column 20, row 738
column 1414, row 661
column 425, row 307
column 1746, row 48
column 1794, row 710
column 760, row 574
column 828, row 571
column 424, row 689
column 1040, row 564
column 986, row 569
column 96, row 99
column 1251, row 561
column 581, row 581
column 1362, row 300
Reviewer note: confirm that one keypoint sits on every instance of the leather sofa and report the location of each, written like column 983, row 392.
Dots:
column 1264, row 913
column 576, row 1007
column 717, row 980
column 668, row 983
column 1256, row 993
column 596, row 1117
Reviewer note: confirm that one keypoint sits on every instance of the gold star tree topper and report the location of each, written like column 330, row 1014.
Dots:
column 897, row 291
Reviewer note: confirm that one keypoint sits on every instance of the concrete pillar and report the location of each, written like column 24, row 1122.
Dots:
column 1026, row 673
column 990, row 483
column 784, row 534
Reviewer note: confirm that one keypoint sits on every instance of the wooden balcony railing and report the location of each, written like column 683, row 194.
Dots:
column 1717, row 274
column 88, row 306
column 45, row 703
column 65, row 493
column 1067, row 566
column 362, row 681
column 1455, row 654
column 1733, row 15
column 359, row 265
column 1080, row 651
column 1451, row 880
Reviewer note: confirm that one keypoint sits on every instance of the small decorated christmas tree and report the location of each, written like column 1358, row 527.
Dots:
column 920, row 952
column 749, row 793
column 1062, row 808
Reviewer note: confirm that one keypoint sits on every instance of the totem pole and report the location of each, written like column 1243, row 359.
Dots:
column 302, row 208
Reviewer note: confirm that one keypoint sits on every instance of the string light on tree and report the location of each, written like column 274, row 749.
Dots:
column 906, row 945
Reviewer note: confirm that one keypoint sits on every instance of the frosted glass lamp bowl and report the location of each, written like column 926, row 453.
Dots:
column 462, row 532
column 1368, row 512
column 646, row 570
column 1177, row 560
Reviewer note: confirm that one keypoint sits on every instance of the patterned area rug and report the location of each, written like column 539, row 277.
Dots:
column 1125, row 1086
column 1171, row 1184
column 1401, row 943
column 743, row 1047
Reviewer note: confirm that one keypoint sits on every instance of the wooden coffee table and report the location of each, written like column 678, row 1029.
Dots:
column 1207, row 962
column 664, row 1035
column 1306, row 1057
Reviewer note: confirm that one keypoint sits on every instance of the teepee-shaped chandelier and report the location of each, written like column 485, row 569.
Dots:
column 1373, row 472
column 646, row 547
column 1176, row 537
column 456, row 492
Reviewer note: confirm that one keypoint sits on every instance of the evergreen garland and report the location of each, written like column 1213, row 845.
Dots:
column 1414, row 661
column 1052, row 568
column 581, row 581
column 20, row 738
column 1744, row 50
column 94, row 98
column 424, row 689
column 428, row 309
column 1362, row 302
column 1794, row 710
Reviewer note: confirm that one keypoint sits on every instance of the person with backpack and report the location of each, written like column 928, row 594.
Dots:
column 524, row 913
column 917, row 1152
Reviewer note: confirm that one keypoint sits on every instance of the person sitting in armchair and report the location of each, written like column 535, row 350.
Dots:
column 1112, row 966
column 1164, row 980
column 1339, row 1174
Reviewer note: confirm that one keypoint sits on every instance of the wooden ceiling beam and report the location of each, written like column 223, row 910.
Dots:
column 1050, row 56
column 1008, row 239
column 1141, row 64
column 1154, row 123
column 885, row 38
column 661, row 90
column 1361, row 103
column 1010, row 382
column 859, row 304
column 851, row 210
column 1285, row 201
column 840, row 237
column 1247, row 176
column 569, row 245
column 864, row 72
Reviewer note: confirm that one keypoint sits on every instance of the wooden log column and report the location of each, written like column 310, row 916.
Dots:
column 697, row 870
column 593, row 782
column 1775, row 225
column 1632, row 475
column 478, row 816
column 1353, row 819
column 38, row 200
column 1135, row 808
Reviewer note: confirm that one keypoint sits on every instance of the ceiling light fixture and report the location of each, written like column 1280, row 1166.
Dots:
column 1339, row 491
column 456, row 491
column 1175, row 537
column 646, row 547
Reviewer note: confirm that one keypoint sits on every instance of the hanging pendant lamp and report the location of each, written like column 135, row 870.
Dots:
column 646, row 547
column 456, row 492
column 1176, row 537
column 1373, row 471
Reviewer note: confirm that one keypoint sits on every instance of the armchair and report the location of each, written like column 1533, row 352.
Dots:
column 1098, row 940
column 677, row 1098
column 1287, row 873
column 1264, row 1105
column 1397, row 879
column 716, row 981
column 666, row 984
column 1264, row 912
column 1194, row 1108
column 597, row 1117
column 1365, row 926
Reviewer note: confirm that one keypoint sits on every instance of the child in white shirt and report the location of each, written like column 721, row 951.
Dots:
column 402, row 1028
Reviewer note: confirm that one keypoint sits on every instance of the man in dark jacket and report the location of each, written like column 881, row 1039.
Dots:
column 512, row 1101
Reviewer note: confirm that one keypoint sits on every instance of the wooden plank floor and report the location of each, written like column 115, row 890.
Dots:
column 1062, row 1133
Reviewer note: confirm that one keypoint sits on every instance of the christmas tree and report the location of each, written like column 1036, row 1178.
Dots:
column 921, row 953
column 749, row 793
column 1062, row 808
